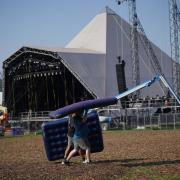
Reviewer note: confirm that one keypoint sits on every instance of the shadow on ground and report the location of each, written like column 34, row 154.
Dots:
column 133, row 163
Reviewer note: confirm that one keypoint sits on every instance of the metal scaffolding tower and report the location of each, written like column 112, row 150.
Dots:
column 150, row 52
column 134, row 42
column 174, row 21
column 146, row 43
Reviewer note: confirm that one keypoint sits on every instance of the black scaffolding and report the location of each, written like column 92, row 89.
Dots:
column 38, row 80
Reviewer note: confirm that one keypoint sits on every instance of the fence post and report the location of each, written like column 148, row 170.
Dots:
column 126, row 119
column 137, row 119
column 174, row 120
column 151, row 122
column 159, row 121
column 144, row 120
column 28, row 125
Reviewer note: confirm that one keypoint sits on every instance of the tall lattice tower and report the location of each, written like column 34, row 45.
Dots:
column 134, row 42
column 174, row 21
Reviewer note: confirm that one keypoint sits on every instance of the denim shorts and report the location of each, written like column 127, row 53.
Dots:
column 82, row 143
column 70, row 142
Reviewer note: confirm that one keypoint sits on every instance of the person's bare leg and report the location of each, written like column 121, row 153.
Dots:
column 82, row 154
column 71, row 154
column 88, row 155
column 67, row 151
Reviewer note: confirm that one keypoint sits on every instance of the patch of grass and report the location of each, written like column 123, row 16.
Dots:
column 134, row 172
column 147, row 129
column 32, row 135
column 38, row 132
column 165, row 178
column 144, row 170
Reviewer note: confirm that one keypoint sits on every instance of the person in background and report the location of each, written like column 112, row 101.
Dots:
column 80, row 138
column 167, row 103
column 167, row 106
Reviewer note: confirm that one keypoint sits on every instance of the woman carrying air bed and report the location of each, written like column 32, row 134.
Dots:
column 80, row 139
column 70, row 134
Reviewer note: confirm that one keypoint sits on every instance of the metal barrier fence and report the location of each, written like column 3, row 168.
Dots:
column 149, row 102
column 27, row 122
column 151, row 114
column 142, row 118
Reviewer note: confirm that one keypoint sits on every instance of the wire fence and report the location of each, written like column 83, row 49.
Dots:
column 141, row 117
column 28, row 122
column 143, row 114
column 163, row 121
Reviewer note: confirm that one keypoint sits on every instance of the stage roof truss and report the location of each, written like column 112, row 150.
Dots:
column 58, row 61
column 29, row 50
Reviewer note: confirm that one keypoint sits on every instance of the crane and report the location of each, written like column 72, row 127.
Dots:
column 146, row 43
column 174, row 22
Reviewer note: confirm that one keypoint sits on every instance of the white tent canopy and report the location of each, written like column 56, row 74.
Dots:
column 108, row 36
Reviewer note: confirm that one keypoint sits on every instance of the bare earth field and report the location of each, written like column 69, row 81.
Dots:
column 126, row 155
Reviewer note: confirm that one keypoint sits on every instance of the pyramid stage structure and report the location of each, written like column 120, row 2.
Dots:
column 41, row 79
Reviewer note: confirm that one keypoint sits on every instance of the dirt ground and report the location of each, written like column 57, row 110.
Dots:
column 126, row 155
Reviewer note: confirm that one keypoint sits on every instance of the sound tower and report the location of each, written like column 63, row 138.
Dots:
column 121, row 80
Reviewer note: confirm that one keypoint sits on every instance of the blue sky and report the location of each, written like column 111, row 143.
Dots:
column 53, row 23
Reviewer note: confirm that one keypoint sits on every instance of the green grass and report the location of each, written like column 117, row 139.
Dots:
column 138, row 171
column 21, row 136
column 147, row 129
column 165, row 178
column 146, row 173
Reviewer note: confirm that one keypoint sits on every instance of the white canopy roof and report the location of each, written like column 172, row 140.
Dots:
column 107, row 36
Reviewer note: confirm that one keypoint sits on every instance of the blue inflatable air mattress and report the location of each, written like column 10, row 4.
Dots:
column 55, row 136
column 88, row 104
